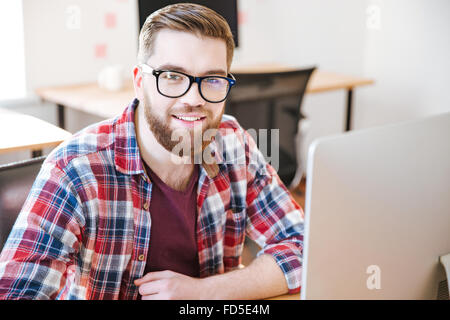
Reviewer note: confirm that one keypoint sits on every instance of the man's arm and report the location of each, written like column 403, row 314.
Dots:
column 261, row 279
column 274, row 218
column 34, row 260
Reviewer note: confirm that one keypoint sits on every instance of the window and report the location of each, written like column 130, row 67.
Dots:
column 12, row 59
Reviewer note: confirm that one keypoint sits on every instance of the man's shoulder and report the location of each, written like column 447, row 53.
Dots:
column 89, row 142
column 229, row 122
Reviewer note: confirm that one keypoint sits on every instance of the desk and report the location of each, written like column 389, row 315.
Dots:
column 23, row 132
column 92, row 99
column 295, row 296
column 328, row 81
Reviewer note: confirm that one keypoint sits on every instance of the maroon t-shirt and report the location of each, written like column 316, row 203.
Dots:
column 173, row 240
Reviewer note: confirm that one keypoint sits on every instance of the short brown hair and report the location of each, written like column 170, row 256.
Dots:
column 188, row 17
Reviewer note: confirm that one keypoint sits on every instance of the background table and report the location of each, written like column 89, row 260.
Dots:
column 92, row 99
column 24, row 132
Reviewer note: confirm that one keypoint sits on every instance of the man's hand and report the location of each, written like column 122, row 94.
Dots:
column 261, row 279
column 169, row 285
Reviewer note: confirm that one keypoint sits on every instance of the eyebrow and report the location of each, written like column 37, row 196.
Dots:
column 181, row 69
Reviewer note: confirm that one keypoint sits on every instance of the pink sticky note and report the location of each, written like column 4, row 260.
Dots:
column 242, row 17
column 110, row 20
column 100, row 50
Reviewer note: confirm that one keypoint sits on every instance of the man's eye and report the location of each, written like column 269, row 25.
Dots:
column 171, row 76
column 213, row 80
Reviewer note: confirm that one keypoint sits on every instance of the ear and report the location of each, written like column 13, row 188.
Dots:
column 137, row 77
column 137, row 82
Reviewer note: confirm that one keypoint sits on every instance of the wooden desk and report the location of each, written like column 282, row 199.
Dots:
column 101, row 102
column 328, row 81
column 295, row 296
column 23, row 132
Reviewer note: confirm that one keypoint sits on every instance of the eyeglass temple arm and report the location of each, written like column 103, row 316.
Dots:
column 145, row 68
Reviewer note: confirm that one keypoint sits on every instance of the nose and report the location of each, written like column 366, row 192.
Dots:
column 193, row 97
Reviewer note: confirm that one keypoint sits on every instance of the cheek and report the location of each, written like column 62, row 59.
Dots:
column 159, row 105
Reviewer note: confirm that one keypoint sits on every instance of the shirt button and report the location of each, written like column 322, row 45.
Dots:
column 146, row 206
column 141, row 257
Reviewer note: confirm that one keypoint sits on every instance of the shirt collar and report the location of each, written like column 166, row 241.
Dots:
column 127, row 157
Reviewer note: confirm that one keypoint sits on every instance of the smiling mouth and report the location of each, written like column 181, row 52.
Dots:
column 189, row 118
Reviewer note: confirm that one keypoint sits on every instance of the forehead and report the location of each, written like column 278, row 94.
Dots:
column 193, row 53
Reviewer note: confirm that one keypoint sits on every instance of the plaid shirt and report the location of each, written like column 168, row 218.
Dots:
column 84, row 230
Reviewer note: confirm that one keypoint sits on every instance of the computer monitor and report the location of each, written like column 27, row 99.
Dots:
column 377, row 213
column 227, row 9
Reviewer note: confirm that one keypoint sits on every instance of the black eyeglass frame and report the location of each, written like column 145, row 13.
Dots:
column 231, row 81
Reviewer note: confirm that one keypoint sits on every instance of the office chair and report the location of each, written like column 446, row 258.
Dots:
column 16, row 180
column 273, row 101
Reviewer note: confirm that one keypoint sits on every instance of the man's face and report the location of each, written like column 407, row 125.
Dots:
column 188, row 53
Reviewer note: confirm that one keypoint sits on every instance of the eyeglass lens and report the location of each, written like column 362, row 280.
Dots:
column 174, row 84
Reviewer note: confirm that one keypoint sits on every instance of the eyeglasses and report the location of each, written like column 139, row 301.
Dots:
column 174, row 84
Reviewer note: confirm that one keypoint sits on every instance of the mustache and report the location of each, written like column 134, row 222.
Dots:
column 189, row 109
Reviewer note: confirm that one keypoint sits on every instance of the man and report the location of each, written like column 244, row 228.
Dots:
column 112, row 215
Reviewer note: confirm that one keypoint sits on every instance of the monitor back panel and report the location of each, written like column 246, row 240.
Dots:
column 377, row 213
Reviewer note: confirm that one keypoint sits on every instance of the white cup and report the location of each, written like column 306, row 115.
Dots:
column 111, row 78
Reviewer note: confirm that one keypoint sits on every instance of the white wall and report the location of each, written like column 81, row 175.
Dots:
column 12, row 75
column 404, row 45
column 408, row 56
column 61, row 36
column 327, row 33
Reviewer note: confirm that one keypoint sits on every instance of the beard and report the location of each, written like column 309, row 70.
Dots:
column 193, row 142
